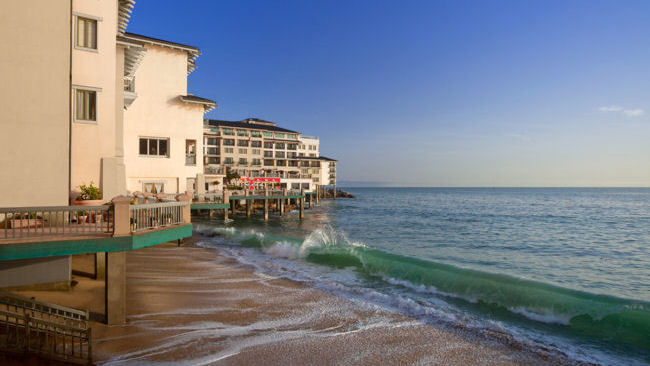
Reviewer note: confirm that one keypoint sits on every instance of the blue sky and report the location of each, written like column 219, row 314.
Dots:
column 433, row 93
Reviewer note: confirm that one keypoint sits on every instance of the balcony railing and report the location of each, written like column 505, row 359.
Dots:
column 190, row 159
column 213, row 170
column 155, row 215
column 24, row 222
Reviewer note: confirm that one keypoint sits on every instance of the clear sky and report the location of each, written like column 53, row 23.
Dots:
column 433, row 93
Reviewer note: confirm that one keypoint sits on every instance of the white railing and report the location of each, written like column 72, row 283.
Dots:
column 155, row 215
column 53, row 331
column 25, row 222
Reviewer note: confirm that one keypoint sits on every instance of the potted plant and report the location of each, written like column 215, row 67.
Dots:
column 82, row 217
column 26, row 221
column 90, row 196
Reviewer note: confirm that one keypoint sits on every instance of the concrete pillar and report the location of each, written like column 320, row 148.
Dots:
column 115, row 288
column 100, row 265
column 200, row 186
column 284, row 193
column 187, row 209
column 115, row 266
column 302, row 204
column 248, row 204
column 226, row 200
column 334, row 192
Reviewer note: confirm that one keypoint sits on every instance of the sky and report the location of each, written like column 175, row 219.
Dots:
column 433, row 93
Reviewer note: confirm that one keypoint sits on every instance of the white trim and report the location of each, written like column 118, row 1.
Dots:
column 74, row 104
column 88, row 16
column 76, row 32
column 83, row 87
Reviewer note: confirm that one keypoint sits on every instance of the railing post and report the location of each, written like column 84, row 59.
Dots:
column 187, row 213
column 121, row 216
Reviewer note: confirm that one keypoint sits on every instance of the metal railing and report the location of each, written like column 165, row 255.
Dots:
column 155, row 215
column 53, row 331
column 213, row 170
column 25, row 222
column 216, row 197
column 190, row 159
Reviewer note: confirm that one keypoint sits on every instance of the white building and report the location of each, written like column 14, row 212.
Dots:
column 163, row 125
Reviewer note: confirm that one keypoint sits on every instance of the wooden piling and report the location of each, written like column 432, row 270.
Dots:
column 266, row 204
column 302, row 204
column 226, row 199
column 249, row 204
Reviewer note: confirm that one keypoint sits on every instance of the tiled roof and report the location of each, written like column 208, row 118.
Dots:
column 314, row 158
column 253, row 126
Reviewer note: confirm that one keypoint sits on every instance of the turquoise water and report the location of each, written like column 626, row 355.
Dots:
column 566, row 270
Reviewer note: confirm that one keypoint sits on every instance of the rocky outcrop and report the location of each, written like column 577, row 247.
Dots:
column 339, row 193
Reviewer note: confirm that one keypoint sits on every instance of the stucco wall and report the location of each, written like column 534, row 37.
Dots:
column 93, row 141
column 34, row 99
column 25, row 272
column 158, row 112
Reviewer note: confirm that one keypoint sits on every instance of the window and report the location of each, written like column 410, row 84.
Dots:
column 213, row 160
column 153, row 146
column 212, row 151
column 227, row 131
column 279, row 154
column 279, row 146
column 242, row 143
column 228, row 142
column 242, row 133
column 268, row 154
column 212, row 141
column 279, row 135
column 312, row 155
column 228, row 160
column 256, row 134
column 85, row 105
column 292, row 146
column 257, row 162
column 256, row 143
column 268, row 162
column 243, row 151
column 256, row 151
column 86, row 33
column 229, row 150
column 243, row 161
column 282, row 163
column 190, row 152
column 268, row 134
column 291, row 135
column 153, row 187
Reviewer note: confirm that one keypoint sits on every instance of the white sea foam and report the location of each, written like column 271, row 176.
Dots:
column 541, row 315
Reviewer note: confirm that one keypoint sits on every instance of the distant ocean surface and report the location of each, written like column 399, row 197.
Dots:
column 566, row 270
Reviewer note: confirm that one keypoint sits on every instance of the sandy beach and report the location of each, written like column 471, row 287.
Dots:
column 189, row 305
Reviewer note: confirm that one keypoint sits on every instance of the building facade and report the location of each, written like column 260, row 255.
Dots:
column 257, row 149
column 163, row 124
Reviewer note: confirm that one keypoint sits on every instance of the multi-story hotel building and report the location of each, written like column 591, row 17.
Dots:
column 256, row 148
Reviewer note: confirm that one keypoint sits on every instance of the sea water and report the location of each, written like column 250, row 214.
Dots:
column 564, row 270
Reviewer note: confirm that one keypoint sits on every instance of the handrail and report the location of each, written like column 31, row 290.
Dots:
column 25, row 222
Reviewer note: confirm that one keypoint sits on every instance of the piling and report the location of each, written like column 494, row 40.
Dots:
column 302, row 204
column 226, row 200
column 248, row 204
column 266, row 204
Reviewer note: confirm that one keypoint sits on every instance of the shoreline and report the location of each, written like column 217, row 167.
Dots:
column 191, row 305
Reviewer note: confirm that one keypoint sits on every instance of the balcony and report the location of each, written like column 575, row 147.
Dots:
column 190, row 159
column 129, row 92
column 213, row 170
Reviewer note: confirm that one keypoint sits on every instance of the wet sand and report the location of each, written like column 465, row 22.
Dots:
column 189, row 305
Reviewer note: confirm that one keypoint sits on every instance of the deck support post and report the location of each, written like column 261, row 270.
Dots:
column 284, row 193
column 226, row 200
column 115, row 266
column 302, row 204
column 248, row 204
column 100, row 265
column 187, row 209
column 311, row 201
column 266, row 204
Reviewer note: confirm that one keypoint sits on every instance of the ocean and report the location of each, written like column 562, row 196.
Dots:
column 562, row 270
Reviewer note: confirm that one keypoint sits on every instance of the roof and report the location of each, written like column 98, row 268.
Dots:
column 192, row 52
column 209, row 104
column 243, row 124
